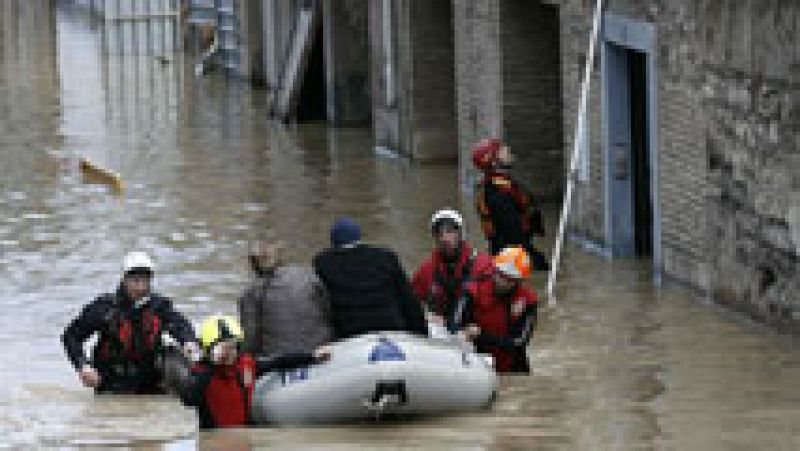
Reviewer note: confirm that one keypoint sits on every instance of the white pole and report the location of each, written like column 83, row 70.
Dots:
column 573, row 167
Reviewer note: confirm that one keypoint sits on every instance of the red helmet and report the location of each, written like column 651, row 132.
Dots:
column 485, row 153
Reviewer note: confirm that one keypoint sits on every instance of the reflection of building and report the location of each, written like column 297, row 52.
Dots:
column 28, row 46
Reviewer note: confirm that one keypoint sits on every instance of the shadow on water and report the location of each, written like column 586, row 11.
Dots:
column 617, row 365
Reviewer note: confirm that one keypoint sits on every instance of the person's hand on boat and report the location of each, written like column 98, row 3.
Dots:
column 191, row 350
column 469, row 333
column 322, row 353
column 89, row 376
column 435, row 319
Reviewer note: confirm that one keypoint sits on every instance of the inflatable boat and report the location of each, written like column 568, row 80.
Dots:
column 375, row 375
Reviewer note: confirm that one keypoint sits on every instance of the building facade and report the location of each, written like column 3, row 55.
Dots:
column 692, row 156
column 690, row 159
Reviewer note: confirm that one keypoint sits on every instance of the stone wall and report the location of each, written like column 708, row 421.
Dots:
column 729, row 169
column 751, row 87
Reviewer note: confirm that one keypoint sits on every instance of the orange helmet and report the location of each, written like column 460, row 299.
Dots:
column 513, row 262
column 485, row 153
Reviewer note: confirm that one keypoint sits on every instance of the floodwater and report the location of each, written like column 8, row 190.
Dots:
column 618, row 364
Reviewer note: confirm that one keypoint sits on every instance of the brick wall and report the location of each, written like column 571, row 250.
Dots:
column 531, row 77
column 508, row 86
column 478, row 61
column 429, row 80
column 420, row 121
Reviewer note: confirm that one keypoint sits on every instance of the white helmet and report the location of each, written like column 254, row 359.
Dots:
column 446, row 214
column 136, row 260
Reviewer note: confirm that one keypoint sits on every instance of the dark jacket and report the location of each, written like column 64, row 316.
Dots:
column 285, row 311
column 127, row 350
column 368, row 291
column 509, row 218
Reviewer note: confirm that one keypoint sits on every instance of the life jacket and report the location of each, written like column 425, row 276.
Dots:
column 226, row 392
column 507, row 186
column 496, row 315
column 439, row 288
column 127, row 349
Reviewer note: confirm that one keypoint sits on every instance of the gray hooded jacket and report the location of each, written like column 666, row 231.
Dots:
column 284, row 311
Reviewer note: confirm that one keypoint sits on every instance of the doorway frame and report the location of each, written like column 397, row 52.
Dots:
column 641, row 37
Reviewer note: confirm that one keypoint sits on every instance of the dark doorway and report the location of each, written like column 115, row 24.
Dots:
column 640, row 154
column 311, row 104
column 629, row 176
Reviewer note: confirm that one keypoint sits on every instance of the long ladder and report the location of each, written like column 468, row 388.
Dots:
column 580, row 129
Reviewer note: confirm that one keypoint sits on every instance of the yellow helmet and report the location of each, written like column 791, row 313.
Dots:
column 216, row 328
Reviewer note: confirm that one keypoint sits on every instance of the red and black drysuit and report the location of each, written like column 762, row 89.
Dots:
column 506, row 322
column 439, row 281
column 128, row 349
column 223, row 394
column 508, row 217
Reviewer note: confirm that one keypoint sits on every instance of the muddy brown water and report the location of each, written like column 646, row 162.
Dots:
column 619, row 364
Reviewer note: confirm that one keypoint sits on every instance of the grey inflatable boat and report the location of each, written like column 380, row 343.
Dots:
column 375, row 375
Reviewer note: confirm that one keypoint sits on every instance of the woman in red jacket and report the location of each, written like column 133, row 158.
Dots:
column 222, row 383
column 500, row 312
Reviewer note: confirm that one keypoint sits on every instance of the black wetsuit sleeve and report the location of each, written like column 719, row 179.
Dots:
column 519, row 335
column 505, row 216
column 410, row 307
column 89, row 321
column 283, row 362
column 176, row 324
column 192, row 392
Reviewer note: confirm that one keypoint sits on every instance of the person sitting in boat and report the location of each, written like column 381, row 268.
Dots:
column 439, row 281
column 222, row 382
column 286, row 308
column 508, row 216
column 129, row 323
column 366, row 285
column 499, row 312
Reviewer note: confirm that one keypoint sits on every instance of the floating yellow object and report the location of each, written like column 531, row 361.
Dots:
column 93, row 173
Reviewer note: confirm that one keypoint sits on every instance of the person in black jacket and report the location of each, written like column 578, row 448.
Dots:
column 367, row 287
column 129, row 323
column 508, row 215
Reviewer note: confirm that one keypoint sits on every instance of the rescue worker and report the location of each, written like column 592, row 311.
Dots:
column 508, row 217
column 129, row 323
column 439, row 281
column 366, row 285
column 221, row 386
column 285, row 309
column 500, row 312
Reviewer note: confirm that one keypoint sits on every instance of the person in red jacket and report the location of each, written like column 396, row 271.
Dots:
column 439, row 281
column 221, row 385
column 499, row 312
column 508, row 216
